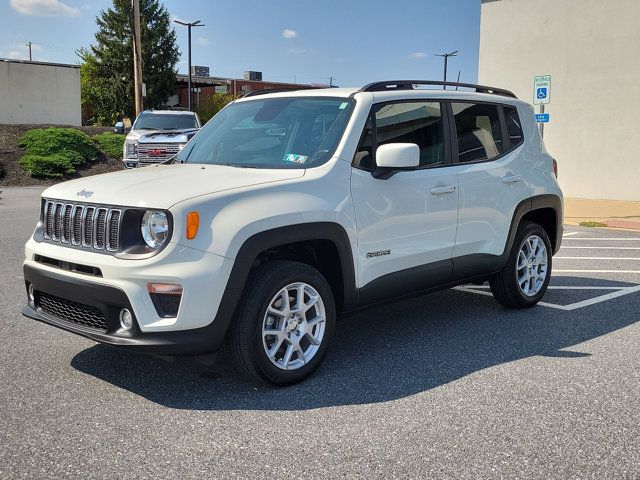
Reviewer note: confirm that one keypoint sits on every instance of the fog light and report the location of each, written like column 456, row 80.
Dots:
column 32, row 298
column 126, row 319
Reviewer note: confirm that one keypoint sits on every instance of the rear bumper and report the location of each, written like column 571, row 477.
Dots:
column 110, row 301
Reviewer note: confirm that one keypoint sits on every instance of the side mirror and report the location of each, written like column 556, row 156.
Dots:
column 119, row 127
column 395, row 156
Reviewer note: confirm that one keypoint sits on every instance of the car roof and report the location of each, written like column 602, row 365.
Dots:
column 389, row 95
column 168, row 112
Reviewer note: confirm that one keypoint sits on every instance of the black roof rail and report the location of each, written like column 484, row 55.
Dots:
column 391, row 85
column 265, row 91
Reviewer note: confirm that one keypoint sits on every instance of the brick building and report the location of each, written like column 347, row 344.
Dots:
column 205, row 86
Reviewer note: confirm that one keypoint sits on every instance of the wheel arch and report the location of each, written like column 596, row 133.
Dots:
column 320, row 244
column 545, row 210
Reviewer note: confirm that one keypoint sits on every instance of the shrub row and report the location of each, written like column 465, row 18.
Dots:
column 54, row 152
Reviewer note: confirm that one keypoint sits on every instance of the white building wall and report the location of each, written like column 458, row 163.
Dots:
column 591, row 49
column 38, row 93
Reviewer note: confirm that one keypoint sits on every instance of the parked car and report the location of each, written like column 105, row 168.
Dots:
column 156, row 136
column 288, row 209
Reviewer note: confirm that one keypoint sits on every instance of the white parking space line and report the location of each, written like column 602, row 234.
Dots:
column 599, row 248
column 595, row 271
column 568, row 234
column 561, row 287
column 605, row 239
column 597, row 258
column 573, row 306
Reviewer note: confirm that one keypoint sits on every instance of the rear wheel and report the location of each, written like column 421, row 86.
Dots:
column 524, row 280
column 285, row 322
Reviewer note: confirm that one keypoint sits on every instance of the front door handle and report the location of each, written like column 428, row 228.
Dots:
column 443, row 189
column 511, row 179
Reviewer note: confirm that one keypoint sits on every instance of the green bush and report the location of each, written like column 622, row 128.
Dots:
column 72, row 143
column 209, row 105
column 47, row 166
column 110, row 143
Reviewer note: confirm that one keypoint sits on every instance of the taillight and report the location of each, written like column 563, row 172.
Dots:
column 555, row 167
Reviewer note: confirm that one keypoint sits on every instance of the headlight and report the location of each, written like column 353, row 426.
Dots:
column 132, row 149
column 155, row 228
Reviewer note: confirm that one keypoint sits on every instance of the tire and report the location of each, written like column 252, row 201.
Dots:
column 250, row 336
column 510, row 286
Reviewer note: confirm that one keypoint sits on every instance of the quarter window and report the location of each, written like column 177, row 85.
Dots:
column 478, row 130
column 514, row 127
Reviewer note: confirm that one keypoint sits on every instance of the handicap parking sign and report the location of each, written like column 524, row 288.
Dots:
column 541, row 89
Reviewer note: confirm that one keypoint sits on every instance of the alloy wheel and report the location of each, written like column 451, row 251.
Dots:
column 293, row 326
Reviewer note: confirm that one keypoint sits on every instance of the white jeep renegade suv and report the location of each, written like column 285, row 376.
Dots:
column 289, row 208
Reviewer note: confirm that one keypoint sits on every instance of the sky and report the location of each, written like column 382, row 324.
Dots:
column 306, row 41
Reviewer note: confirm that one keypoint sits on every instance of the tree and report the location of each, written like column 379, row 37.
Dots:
column 208, row 106
column 107, row 67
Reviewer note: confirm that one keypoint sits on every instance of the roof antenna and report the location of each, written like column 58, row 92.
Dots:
column 458, row 80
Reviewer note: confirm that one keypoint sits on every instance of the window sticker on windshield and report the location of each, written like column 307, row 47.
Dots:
column 292, row 157
column 343, row 105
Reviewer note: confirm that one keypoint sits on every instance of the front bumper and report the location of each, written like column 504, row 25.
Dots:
column 109, row 301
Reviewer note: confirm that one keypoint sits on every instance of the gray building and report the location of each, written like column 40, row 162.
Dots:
column 591, row 50
column 39, row 93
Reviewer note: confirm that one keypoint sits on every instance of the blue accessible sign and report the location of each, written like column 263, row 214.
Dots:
column 542, row 117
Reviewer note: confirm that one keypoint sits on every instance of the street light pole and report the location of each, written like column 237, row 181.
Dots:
column 197, row 23
column 446, row 58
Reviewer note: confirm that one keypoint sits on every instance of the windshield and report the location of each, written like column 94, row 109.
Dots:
column 159, row 121
column 271, row 133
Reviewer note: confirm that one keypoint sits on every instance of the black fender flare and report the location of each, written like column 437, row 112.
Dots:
column 528, row 205
column 258, row 243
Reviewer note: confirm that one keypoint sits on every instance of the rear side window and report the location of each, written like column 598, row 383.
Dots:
column 514, row 127
column 478, row 130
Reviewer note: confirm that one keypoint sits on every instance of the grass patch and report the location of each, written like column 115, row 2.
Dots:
column 592, row 224
column 110, row 143
column 72, row 143
column 40, row 166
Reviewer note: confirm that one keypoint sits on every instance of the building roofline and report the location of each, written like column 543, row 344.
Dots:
column 195, row 79
column 31, row 62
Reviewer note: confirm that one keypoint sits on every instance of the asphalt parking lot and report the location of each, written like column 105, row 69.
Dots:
column 448, row 385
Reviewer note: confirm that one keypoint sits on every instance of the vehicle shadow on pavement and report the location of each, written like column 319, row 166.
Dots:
column 380, row 354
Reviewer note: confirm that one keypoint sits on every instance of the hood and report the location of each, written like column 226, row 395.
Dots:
column 137, row 134
column 173, row 136
column 161, row 186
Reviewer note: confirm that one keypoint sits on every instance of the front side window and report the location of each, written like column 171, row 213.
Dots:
column 167, row 121
column 413, row 122
column 271, row 133
column 478, row 130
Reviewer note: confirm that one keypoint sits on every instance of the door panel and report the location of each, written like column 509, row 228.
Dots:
column 492, row 182
column 487, row 203
column 401, row 223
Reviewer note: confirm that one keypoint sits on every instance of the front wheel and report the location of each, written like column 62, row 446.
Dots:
column 524, row 280
column 284, row 324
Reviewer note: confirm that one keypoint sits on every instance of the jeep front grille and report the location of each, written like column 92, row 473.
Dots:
column 92, row 227
column 150, row 153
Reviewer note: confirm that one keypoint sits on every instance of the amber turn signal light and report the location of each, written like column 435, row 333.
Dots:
column 164, row 288
column 193, row 221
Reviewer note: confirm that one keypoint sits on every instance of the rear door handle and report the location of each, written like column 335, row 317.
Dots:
column 511, row 179
column 443, row 189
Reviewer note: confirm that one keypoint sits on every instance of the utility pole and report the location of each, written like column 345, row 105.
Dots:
column 197, row 23
column 29, row 45
column 137, row 58
column 446, row 58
